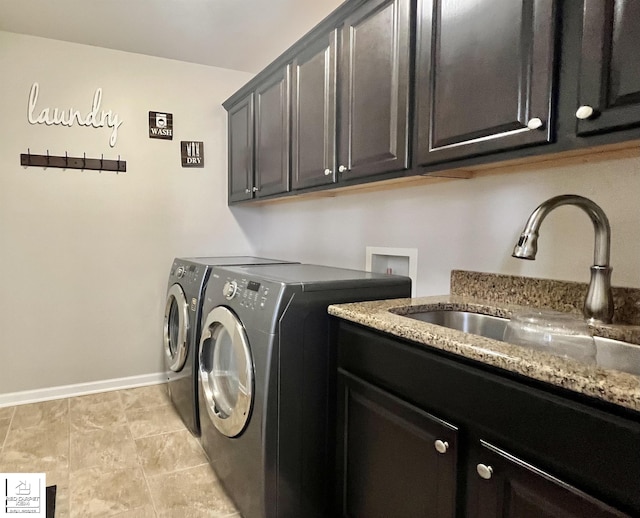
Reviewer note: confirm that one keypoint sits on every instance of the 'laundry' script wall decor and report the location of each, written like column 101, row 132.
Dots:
column 70, row 116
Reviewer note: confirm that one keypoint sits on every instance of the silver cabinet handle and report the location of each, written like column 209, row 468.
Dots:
column 255, row 189
column 441, row 446
column 484, row 471
column 534, row 123
column 342, row 169
column 247, row 191
column 327, row 172
column 584, row 112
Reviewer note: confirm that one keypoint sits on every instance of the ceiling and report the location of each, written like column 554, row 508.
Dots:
column 237, row 34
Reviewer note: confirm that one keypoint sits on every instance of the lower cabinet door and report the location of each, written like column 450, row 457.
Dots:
column 394, row 460
column 503, row 486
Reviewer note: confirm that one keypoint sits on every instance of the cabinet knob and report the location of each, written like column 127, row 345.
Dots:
column 342, row 169
column 584, row 112
column 255, row 189
column 247, row 191
column 534, row 123
column 327, row 172
column 484, row 471
column 441, row 446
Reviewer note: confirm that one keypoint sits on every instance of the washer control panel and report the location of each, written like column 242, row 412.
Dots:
column 250, row 293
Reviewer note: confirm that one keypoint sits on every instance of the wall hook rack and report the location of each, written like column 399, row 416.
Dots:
column 71, row 162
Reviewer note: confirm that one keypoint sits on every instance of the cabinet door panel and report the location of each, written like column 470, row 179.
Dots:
column 241, row 150
column 388, row 453
column 272, row 135
column 516, row 489
column 610, row 65
column 484, row 70
column 375, row 89
column 314, row 114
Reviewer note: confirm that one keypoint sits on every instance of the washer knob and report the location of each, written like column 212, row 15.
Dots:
column 230, row 289
column 180, row 272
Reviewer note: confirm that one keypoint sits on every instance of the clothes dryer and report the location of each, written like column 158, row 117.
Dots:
column 187, row 280
column 267, row 377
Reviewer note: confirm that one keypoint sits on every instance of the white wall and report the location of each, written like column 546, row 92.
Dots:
column 467, row 224
column 85, row 255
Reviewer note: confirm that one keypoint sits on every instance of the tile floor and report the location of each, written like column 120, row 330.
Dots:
column 122, row 454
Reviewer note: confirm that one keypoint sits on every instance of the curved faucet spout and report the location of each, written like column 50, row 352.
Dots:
column 598, row 306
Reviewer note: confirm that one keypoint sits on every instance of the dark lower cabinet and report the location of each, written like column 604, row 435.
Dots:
column 484, row 72
column 512, row 450
column 501, row 485
column 609, row 82
column 396, row 460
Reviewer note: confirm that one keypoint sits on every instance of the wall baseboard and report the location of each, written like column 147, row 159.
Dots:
column 80, row 389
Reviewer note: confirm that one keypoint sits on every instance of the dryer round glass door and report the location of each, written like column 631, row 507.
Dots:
column 226, row 371
column 176, row 328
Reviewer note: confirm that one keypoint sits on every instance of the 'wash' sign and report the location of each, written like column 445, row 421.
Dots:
column 95, row 117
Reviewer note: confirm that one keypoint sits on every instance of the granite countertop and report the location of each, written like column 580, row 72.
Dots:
column 389, row 316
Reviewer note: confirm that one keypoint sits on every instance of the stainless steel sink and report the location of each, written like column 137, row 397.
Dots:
column 611, row 354
column 474, row 323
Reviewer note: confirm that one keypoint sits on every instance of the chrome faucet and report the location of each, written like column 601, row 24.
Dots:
column 598, row 305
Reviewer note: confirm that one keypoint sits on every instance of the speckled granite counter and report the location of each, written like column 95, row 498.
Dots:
column 389, row 317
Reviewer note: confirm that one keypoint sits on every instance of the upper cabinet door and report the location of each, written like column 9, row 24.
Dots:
column 374, row 102
column 484, row 76
column 313, row 139
column 272, row 134
column 241, row 150
column 609, row 88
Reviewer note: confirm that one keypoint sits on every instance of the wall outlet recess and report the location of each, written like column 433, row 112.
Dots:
column 397, row 261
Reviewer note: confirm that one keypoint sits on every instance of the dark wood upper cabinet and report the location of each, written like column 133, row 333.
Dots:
column 374, row 82
column 313, row 138
column 484, row 72
column 272, row 134
column 396, row 460
column 502, row 485
column 241, row 150
column 609, row 83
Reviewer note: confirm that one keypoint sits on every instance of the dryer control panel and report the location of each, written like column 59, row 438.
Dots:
column 250, row 294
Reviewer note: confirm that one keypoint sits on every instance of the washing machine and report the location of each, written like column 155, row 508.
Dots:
column 267, row 374
column 182, row 316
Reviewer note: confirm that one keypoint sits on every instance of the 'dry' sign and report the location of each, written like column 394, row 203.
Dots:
column 192, row 153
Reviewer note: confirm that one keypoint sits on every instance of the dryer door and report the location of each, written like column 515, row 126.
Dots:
column 176, row 328
column 226, row 371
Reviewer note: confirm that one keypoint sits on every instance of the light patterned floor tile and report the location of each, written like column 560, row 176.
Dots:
column 7, row 412
column 145, row 397
column 109, row 448
column 4, row 428
column 169, row 452
column 40, row 414
column 37, row 449
column 96, row 493
column 96, row 411
column 193, row 492
column 153, row 421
